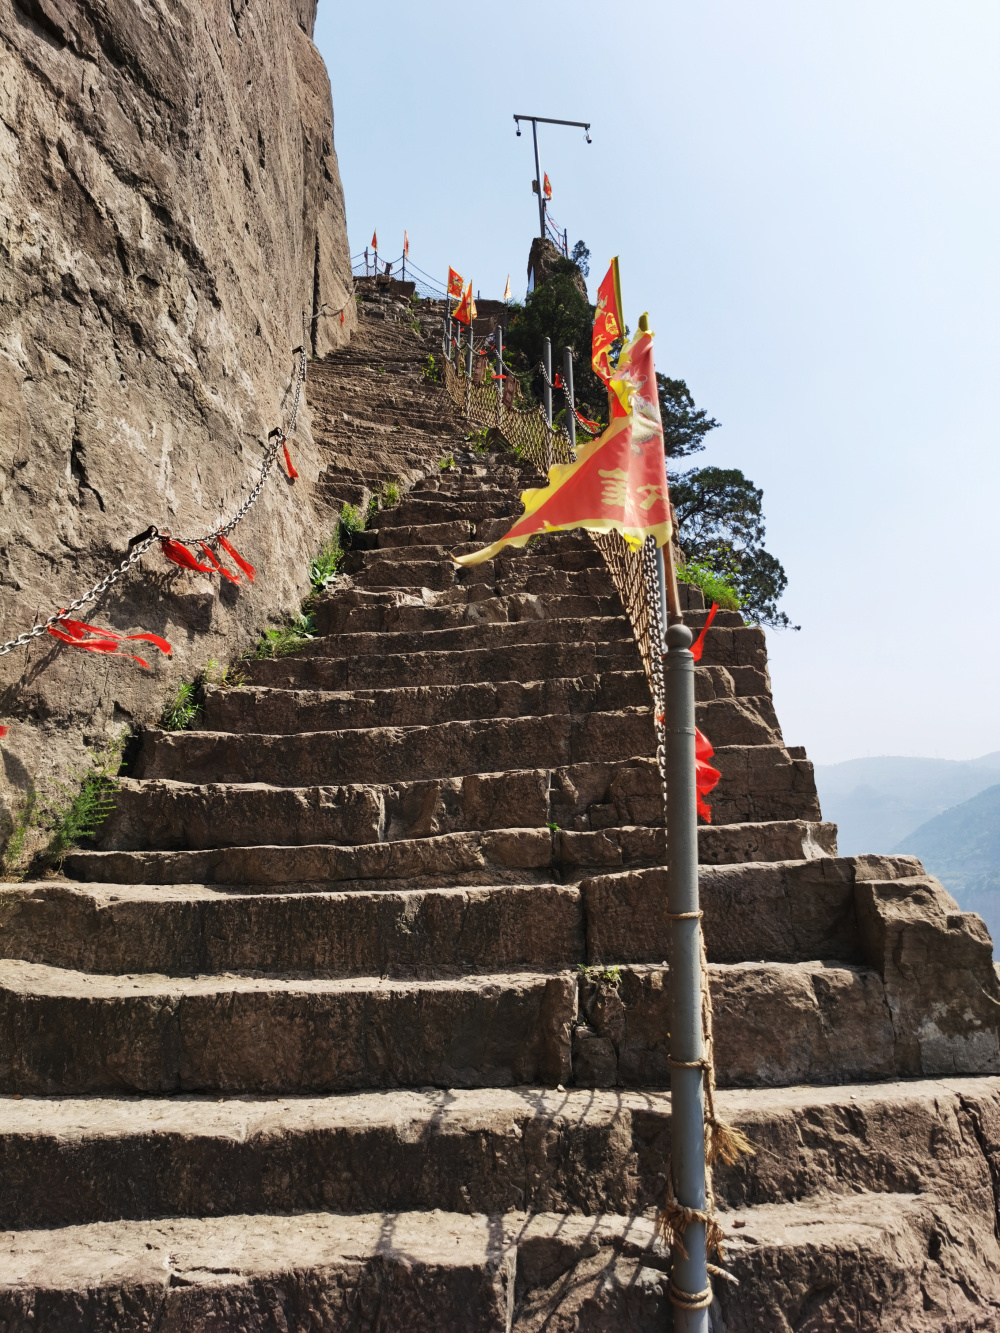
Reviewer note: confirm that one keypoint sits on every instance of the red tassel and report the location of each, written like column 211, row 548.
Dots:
column 92, row 639
column 288, row 464
column 245, row 565
column 698, row 647
column 705, row 776
column 233, row 578
column 3, row 732
column 342, row 317
column 180, row 555
column 154, row 639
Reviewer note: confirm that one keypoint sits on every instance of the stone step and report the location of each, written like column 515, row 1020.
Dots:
column 280, row 712
column 356, row 610
column 75, row 1033
column 419, row 1271
column 460, row 638
column 534, row 1149
column 393, row 754
column 445, row 534
column 374, row 671
column 783, row 912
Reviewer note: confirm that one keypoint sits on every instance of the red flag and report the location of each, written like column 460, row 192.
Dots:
column 406, row 244
column 705, row 776
column 608, row 322
column 547, row 188
column 620, row 479
column 506, row 290
column 374, row 240
column 464, row 312
column 455, row 281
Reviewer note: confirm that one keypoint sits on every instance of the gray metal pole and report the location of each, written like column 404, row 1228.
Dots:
column 469, row 353
column 546, row 389
column 687, row 1108
column 538, row 182
column 568, row 377
column 498, row 343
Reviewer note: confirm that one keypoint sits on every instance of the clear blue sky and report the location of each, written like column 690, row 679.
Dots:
column 806, row 198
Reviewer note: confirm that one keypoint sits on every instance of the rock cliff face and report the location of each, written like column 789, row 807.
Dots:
column 170, row 209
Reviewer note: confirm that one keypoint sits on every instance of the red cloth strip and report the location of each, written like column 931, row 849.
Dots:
column 292, row 474
column 698, row 647
column 180, row 555
column 233, row 578
column 705, row 776
column 245, row 565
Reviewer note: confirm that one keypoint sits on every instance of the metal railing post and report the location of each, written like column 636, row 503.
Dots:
column 687, row 1108
column 568, row 377
column 547, row 386
column 469, row 353
column 498, row 344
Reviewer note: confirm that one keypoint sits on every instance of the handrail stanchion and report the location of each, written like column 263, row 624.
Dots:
column 547, row 399
column 570, row 405
column 498, row 344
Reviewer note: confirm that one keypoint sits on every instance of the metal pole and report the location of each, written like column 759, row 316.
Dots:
column 547, row 387
column 469, row 353
column 687, row 1109
column 538, row 183
column 568, row 377
column 498, row 343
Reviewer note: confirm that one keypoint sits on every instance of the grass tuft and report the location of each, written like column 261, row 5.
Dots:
column 182, row 710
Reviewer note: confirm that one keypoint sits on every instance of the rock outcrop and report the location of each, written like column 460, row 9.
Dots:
column 357, row 1017
column 170, row 209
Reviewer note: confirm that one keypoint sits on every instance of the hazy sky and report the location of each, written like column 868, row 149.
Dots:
column 806, row 199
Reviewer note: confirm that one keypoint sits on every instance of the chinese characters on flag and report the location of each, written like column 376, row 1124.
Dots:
column 454, row 284
column 608, row 322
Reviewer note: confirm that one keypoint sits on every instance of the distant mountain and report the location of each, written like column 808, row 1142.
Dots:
column 878, row 802
column 962, row 848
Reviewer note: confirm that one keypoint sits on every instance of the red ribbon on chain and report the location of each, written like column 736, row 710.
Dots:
column 93, row 639
column 292, row 474
column 180, row 555
column 233, row 578
column 705, row 776
column 698, row 647
column 245, row 565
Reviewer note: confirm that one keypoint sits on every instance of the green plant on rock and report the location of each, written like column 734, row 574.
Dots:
column 371, row 509
column 431, row 369
column 610, row 976
column 479, row 439
column 415, row 326
column 25, row 819
column 390, row 494
column 714, row 582
column 76, row 815
column 446, row 463
column 182, row 710
column 324, row 568
column 225, row 677
column 285, row 639
column 351, row 519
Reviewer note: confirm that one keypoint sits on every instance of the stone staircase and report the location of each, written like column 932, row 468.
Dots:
column 356, row 1019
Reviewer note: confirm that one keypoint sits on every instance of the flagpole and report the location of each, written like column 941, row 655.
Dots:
column 538, row 183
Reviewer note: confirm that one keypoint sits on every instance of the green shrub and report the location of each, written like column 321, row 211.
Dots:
column 431, row 369
column 285, row 639
column 713, row 583
column 325, row 567
column 351, row 519
column 79, row 814
column 446, row 463
column 390, row 494
column 179, row 714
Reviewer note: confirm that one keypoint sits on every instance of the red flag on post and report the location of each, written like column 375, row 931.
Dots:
column 406, row 245
column 547, row 188
column 455, row 281
column 464, row 312
column 374, row 240
column 620, row 479
column 608, row 322
column 506, row 290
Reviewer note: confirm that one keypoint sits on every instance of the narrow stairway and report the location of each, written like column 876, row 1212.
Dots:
column 357, row 1020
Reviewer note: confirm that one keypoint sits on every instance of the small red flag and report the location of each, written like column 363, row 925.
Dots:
column 547, row 188
column 374, row 240
column 455, row 281
column 406, row 244
column 608, row 323
column 464, row 312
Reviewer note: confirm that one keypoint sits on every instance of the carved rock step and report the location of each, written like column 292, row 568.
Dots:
column 493, row 856
column 490, row 634
column 72, row 1033
column 392, row 754
column 275, row 712
column 480, row 1151
column 420, row 1272
column 530, row 662
column 355, row 610
column 786, row 912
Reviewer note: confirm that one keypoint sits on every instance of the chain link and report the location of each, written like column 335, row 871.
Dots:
column 140, row 547
column 656, row 675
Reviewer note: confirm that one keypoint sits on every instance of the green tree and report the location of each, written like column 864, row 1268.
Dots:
column 684, row 425
column 720, row 521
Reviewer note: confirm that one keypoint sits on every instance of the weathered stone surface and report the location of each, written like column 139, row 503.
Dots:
column 420, row 1272
column 172, row 207
column 69, row 1032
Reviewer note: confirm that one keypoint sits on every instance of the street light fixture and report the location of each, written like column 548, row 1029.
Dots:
column 535, row 122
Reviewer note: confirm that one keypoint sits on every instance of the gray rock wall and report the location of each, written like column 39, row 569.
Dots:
column 170, row 206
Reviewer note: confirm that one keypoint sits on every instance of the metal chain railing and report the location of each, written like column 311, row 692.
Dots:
column 138, row 546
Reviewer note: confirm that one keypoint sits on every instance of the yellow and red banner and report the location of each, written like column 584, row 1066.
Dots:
column 506, row 290
column 547, row 188
column 620, row 479
column 455, row 281
column 465, row 312
column 608, row 322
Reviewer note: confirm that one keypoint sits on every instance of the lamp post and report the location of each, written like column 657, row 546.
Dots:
column 535, row 122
